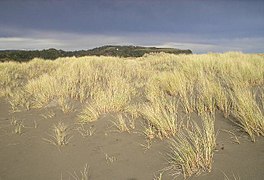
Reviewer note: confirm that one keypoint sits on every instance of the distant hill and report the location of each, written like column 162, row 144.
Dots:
column 121, row 51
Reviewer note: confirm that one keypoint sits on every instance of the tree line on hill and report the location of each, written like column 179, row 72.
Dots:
column 119, row 51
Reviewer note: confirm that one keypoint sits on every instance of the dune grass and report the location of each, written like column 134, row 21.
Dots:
column 121, row 124
column 161, row 116
column 61, row 135
column 247, row 113
column 191, row 151
column 159, row 90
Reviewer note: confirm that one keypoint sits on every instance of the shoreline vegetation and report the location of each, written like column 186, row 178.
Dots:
column 175, row 98
column 108, row 50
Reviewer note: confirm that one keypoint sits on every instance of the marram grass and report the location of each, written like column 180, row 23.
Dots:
column 191, row 151
column 155, row 88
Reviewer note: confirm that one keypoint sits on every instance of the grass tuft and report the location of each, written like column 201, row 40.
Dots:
column 191, row 151
column 161, row 117
column 61, row 135
column 248, row 114
column 121, row 124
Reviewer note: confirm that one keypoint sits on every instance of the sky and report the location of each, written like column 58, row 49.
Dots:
column 200, row 25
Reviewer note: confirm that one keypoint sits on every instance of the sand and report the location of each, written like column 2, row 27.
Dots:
column 109, row 154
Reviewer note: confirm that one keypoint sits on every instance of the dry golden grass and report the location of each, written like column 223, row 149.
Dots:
column 61, row 135
column 155, row 88
column 247, row 113
column 161, row 116
column 121, row 124
column 191, row 151
column 178, row 84
column 114, row 97
column 107, row 84
column 89, row 114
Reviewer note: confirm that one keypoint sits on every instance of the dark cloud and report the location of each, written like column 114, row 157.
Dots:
column 208, row 19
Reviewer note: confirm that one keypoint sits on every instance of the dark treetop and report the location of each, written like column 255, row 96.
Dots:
column 120, row 51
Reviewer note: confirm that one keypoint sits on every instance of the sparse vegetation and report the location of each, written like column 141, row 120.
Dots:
column 234, row 177
column 61, row 135
column 17, row 126
column 82, row 175
column 48, row 114
column 121, row 124
column 85, row 132
column 159, row 177
column 110, row 159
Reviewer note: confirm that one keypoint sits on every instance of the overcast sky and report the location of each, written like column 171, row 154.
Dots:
column 200, row 25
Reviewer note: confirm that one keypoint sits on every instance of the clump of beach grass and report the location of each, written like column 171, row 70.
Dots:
column 61, row 135
column 115, row 97
column 65, row 105
column 191, row 150
column 161, row 117
column 121, row 124
column 247, row 113
column 89, row 114
column 179, row 85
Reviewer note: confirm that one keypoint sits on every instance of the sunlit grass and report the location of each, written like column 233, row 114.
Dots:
column 161, row 115
column 247, row 113
column 158, row 90
column 108, row 84
column 191, row 151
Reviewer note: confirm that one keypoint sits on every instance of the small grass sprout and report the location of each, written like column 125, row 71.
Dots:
column 110, row 159
column 18, row 126
column 83, row 174
column 86, row 132
column 61, row 135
